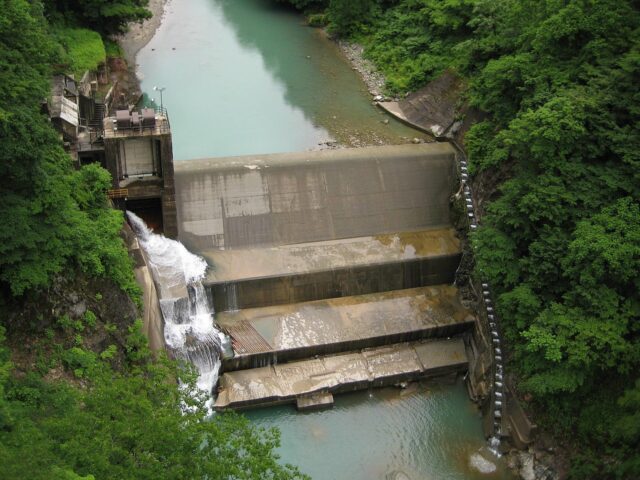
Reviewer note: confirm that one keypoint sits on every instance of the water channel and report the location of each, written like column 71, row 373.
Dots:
column 245, row 77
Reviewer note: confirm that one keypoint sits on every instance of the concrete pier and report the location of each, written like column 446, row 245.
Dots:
column 375, row 367
column 289, row 332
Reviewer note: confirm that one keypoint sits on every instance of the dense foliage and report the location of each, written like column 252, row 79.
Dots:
column 88, row 400
column 558, row 80
column 53, row 217
column 84, row 49
column 103, row 16
column 132, row 423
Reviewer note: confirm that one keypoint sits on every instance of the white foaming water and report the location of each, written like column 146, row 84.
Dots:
column 189, row 329
column 494, row 445
column 481, row 464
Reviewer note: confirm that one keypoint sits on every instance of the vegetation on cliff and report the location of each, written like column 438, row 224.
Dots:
column 53, row 218
column 560, row 243
column 124, row 422
column 80, row 395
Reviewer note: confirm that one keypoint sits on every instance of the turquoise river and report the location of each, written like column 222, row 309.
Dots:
column 247, row 76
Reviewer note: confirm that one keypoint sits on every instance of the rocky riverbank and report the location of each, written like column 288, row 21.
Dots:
column 139, row 34
column 374, row 80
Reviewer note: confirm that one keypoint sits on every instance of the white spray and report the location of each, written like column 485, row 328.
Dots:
column 189, row 329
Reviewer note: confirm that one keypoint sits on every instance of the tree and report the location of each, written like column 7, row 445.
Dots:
column 137, row 423
column 53, row 216
column 104, row 16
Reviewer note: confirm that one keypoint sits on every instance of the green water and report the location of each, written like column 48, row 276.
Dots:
column 244, row 77
column 429, row 432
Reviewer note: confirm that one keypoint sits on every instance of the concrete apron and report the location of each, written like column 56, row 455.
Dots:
column 376, row 367
column 283, row 333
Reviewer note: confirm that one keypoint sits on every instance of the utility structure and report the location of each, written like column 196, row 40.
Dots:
column 139, row 156
column 160, row 89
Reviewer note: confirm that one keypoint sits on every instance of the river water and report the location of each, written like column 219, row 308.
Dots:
column 244, row 77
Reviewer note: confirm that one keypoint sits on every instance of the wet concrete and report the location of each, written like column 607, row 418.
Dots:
column 250, row 263
column 373, row 367
column 292, row 198
column 288, row 332
column 258, row 277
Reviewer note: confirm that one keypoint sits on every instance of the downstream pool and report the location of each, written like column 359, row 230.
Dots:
column 244, row 77
column 429, row 431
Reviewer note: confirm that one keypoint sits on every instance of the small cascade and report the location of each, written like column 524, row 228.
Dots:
column 232, row 297
column 189, row 329
column 498, row 380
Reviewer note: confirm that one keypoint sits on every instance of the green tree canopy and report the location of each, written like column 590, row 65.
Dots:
column 104, row 16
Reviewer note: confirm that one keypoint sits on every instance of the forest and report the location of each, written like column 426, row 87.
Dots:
column 556, row 84
column 77, row 408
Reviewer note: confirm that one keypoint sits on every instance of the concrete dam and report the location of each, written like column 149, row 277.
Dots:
column 330, row 270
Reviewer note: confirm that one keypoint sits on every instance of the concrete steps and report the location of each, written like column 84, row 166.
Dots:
column 375, row 367
column 284, row 333
column 284, row 274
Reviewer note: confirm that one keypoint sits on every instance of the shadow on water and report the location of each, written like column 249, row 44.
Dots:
column 316, row 77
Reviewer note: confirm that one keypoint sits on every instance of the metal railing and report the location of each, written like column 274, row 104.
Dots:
column 161, row 126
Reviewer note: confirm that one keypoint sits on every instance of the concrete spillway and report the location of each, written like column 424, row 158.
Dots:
column 283, row 274
column 347, row 372
column 342, row 256
column 290, row 198
column 289, row 332
column 295, row 227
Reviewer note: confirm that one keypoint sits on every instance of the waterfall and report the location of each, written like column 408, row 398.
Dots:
column 232, row 297
column 189, row 329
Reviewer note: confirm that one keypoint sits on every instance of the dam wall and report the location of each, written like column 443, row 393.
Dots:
column 290, row 198
column 341, row 260
column 332, row 283
column 297, row 227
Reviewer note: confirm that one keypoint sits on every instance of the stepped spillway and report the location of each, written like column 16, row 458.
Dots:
column 330, row 270
column 346, row 372
column 289, row 332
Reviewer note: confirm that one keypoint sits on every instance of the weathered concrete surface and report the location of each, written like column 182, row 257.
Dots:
column 287, row 332
column 290, row 198
column 248, row 263
column 152, row 323
column 251, row 278
column 315, row 401
column 433, row 108
column 374, row 367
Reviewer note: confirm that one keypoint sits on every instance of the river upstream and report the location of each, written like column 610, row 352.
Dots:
column 244, row 77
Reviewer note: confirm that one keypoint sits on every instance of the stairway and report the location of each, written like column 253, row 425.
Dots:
column 99, row 112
